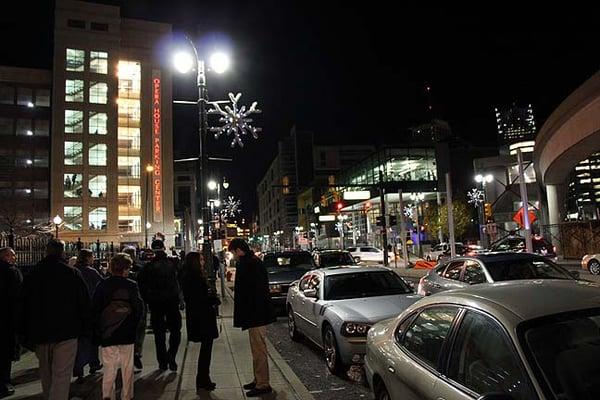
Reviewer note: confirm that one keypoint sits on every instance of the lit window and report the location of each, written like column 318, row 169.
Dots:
column 73, row 185
column 97, row 218
column 98, row 92
column 42, row 97
column 97, row 186
column 99, row 62
column 75, row 60
column 73, row 153
column 24, row 97
column 73, row 121
column 97, row 123
column 73, row 217
column 74, row 90
column 97, row 154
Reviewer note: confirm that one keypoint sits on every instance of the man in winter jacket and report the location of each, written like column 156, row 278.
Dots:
column 56, row 311
column 10, row 290
column 159, row 285
column 117, row 309
column 253, row 310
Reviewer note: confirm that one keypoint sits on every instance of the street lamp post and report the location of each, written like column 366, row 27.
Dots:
column 483, row 179
column 418, row 198
column 149, row 170
column 57, row 221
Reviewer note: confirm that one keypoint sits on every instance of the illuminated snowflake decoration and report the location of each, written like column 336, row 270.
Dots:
column 408, row 212
column 231, row 207
column 475, row 197
column 236, row 120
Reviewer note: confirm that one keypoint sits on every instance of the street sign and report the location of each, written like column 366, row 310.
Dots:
column 218, row 245
column 518, row 217
column 357, row 195
column 326, row 218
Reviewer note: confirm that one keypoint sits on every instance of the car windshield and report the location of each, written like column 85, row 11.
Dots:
column 364, row 284
column 525, row 268
column 333, row 259
column 288, row 261
column 565, row 348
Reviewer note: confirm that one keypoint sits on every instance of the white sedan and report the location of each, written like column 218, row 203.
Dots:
column 368, row 253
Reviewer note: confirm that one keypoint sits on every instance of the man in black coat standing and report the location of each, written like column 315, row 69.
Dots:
column 56, row 312
column 159, row 285
column 253, row 310
column 10, row 290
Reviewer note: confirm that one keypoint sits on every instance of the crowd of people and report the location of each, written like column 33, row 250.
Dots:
column 75, row 316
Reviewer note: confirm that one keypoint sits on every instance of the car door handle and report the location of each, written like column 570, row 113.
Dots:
column 391, row 369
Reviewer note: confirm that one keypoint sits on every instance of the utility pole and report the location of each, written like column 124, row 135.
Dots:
column 525, row 201
column 402, row 229
column 450, row 215
column 384, row 222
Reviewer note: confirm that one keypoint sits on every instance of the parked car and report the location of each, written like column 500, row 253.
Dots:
column 368, row 253
column 460, row 272
column 517, row 244
column 333, row 258
column 335, row 307
column 442, row 249
column 532, row 339
column 591, row 262
column 283, row 268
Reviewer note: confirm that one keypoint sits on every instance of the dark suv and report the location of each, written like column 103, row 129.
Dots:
column 285, row 267
column 516, row 244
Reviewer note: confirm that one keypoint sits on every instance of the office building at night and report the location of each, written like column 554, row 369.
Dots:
column 515, row 124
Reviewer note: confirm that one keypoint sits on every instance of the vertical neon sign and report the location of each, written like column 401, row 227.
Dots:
column 157, row 200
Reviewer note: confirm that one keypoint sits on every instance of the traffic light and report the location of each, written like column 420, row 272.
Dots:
column 393, row 220
column 488, row 211
column 379, row 220
column 339, row 206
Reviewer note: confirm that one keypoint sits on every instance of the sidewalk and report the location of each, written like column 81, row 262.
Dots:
column 231, row 368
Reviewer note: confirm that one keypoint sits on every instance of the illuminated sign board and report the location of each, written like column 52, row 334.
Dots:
column 157, row 199
column 357, row 195
column 326, row 218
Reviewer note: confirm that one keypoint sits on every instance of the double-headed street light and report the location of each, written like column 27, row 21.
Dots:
column 184, row 62
column 483, row 180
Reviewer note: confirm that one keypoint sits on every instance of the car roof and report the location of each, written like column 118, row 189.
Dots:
column 523, row 299
column 333, row 251
column 286, row 253
column 349, row 269
column 501, row 256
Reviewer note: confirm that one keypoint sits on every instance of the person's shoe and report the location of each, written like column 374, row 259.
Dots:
column 163, row 367
column 95, row 369
column 173, row 366
column 206, row 386
column 137, row 362
column 256, row 392
column 79, row 380
column 249, row 386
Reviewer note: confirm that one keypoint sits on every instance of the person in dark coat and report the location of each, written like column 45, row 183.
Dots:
column 10, row 291
column 117, row 308
column 56, row 312
column 201, row 314
column 141, row 329
column 159, row 285
column 253, row 310
column 87, row 352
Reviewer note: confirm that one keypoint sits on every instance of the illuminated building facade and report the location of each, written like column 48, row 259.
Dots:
column 111, row 166
column 583, row 193
column 515, row 124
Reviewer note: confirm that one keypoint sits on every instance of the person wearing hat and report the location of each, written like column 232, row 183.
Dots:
column 159, row 286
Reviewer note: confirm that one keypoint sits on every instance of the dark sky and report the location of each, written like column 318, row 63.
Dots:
column 356, row 73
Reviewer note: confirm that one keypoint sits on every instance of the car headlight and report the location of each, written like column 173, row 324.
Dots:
column 275, row 288
column 355, row 329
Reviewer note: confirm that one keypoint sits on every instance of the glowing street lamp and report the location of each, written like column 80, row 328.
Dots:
column 57, row 220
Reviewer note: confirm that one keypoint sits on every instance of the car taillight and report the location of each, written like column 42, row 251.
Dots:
column 421, row 288
column 554, row 249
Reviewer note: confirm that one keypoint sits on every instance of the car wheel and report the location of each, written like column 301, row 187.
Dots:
column 594, row 267
column 428, row 258
column 381, row 392
column 332, row 355
column 292, row 331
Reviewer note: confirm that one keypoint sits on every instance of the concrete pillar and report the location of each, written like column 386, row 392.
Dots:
column 555, row 195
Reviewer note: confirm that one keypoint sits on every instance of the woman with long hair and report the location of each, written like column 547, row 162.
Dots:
column 201, row 314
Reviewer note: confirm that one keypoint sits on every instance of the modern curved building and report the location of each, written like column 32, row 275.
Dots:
column 570, row 135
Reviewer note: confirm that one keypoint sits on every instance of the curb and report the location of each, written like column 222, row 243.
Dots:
column 292, row 379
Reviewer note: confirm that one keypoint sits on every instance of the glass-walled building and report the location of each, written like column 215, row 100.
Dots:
column 111, row 119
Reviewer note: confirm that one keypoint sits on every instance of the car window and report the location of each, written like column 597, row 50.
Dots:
column 425, row 336
column 300, row 260
column 526, row 268
column 351, row 249
column 453, row 270
column 565, row 348
column 337, row 258
column 369, row 249
column 483, row 359
column 314, row 282
column 437, row 247
column 473, row 273
column 364, row 284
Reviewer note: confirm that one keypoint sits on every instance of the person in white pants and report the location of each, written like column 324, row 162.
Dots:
column 117, row 308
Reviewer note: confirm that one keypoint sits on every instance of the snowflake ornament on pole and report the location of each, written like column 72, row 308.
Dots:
column 475, row 197
column 236, row 120
column 231, row 207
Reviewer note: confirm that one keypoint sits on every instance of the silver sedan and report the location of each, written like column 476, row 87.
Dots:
column 335, row 307
column 519, row 340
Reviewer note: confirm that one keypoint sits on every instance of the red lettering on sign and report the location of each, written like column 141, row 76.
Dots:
column 156, row 149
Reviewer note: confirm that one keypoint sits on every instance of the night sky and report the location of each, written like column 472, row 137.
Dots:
column 356, row 73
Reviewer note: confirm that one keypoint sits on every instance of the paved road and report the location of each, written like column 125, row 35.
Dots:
column 307, row 362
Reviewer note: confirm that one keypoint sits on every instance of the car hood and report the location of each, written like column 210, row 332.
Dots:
column 372, row 309
column 285, row 275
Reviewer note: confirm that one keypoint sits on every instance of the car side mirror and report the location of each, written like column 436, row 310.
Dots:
column 311, row 293
column 495, row 396
column 356, row 259
column 575, row 274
